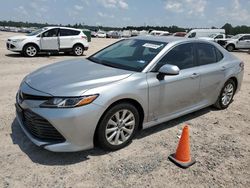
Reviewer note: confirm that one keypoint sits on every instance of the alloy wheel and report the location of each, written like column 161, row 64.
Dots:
column 31, row 51
column 227, row 94
column 120, row 127
column 78, row 50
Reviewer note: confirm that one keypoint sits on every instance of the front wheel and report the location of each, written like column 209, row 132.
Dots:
column 30, row 50
column 230, row 47
column 78, row 50
column 118, row 126
column 226, row 95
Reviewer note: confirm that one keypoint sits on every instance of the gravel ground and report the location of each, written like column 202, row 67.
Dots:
column 219, row 142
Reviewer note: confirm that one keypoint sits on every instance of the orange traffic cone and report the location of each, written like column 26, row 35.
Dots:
column 182, row 155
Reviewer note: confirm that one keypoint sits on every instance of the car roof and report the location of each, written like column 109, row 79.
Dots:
column 169, row 39
column 51, row 27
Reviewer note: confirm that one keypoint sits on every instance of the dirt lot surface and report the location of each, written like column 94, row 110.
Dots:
column 219, row 142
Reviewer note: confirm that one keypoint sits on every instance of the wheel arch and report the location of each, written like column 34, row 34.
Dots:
column 231, row 44
column 31, row 43
column 134, row 102
column 235, row 81
column 78, row 43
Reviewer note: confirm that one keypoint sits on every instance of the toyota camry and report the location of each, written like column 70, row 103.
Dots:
column 133, row 84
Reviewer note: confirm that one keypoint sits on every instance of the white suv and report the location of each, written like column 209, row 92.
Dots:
column 240, row 41
column 49, row 39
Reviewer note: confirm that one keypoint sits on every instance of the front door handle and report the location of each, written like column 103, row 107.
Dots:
column 194, row 75
column 223, row 68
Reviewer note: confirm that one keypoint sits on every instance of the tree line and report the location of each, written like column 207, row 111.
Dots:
column 230, row 30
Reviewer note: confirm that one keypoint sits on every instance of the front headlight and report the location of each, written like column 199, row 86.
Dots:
column 17, row 40
column 68, row 102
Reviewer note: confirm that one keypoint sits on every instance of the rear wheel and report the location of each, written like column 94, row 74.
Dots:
column 118, row 126
column 30, row 50
column 226, row 95
column 230, row 47
column 78, row 50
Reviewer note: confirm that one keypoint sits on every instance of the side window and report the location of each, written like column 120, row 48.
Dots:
column 68, row 32
column 192, row 35
column 206, row 53
column 247, row 37
column 219, row 37
column 51, row 33
column 242, row 38
column 181, row 56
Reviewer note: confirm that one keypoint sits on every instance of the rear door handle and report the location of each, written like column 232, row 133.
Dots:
column 194, row 75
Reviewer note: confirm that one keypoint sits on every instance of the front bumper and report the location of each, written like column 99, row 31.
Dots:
column 76, row 125
column 13, row 46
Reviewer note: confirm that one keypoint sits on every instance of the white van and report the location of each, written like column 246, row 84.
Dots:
column 126, row 33
column 197, row 33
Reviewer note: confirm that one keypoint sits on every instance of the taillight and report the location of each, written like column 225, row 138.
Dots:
column 241, row 65
column 83, row 37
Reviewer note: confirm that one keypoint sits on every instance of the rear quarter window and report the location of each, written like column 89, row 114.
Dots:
column 207, row 54
column 68, row 32
column 219, row 55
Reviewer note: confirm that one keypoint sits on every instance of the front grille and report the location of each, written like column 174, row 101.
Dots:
column 10, row 46
column 221, row 42
column 24, row 96
column 40, row 127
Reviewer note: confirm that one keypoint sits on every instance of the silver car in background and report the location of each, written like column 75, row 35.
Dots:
column 133, row 84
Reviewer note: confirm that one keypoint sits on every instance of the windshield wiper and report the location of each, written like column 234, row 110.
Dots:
column 107, row 64
column 101, row 62
column 93, row 60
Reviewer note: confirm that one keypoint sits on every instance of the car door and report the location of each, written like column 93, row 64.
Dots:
column 246, row 41
column 49, row 40
column 243, row 42
column 174, row 93
column 212, row 71
column 67, row 38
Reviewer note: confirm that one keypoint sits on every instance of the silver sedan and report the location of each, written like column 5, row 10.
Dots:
column 131, row 85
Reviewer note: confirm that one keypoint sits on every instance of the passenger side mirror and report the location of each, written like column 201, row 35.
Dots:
column 168, row 69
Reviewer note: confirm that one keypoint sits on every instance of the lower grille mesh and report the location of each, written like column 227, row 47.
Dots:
column 40, row 127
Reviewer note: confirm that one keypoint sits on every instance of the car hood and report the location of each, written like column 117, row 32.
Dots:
column 73, row 77
column 232, row 40
column 207, row 38
column 18, row 37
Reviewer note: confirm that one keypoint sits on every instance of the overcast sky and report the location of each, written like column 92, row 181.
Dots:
column 184, row 13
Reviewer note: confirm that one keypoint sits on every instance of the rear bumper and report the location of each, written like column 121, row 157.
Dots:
column 239, row 79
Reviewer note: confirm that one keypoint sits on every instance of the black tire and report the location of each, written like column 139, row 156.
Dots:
column 30, row 50
column 230, row 47
column 103, row 125
column 78, row 50
column 219, row 104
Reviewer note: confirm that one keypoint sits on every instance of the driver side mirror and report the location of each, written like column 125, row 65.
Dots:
column 168, row 69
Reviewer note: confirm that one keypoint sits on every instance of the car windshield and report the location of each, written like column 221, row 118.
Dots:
column 36, row 32
column 212, row 35
column 129, row 54
column 236, row 36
